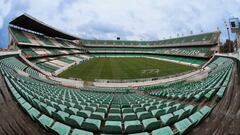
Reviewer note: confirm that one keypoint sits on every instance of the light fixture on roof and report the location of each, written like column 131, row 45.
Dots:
column 191, row 32
column 234, row 25
column 227, row 26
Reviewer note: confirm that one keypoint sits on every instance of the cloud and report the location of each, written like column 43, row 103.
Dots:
column 4, row 10
column 131, row 20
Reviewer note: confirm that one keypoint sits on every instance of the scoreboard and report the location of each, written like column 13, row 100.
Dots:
column 235, row 28
column 234, row 25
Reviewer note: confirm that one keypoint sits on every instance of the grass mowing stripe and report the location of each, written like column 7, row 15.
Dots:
column 116, row 69
column 126, row 66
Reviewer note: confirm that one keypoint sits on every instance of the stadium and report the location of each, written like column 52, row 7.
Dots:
column 55, row 83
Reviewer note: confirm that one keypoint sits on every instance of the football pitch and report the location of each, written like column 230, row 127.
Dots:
column 123, row 68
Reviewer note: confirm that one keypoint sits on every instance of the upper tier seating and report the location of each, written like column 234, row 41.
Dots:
column 27, row 38
column 206, row 37
column 201, row 45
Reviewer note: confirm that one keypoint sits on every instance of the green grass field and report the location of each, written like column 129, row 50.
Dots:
column 123, row 68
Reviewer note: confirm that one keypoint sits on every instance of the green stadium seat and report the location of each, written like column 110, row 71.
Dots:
column 79, row 107
column 168, row 119
column 179, row 106
column 205, row 110
column 183, row 126
column 133, row 126
column 47, row 110
column 90, row 108
column 143, row 133
column 81, row 132
column 104, row 105
column 129, row 116
column 144, row 115
column 170, row 109
column 114, row 117
column 139, row 109
column 128, row 110
column 221, row 92
column 196, row 117
column 181, row 113
column 115, row 110
column 98, row 115
column 74, row 121
column 135, row 105
column 151, row 107
column 45, row 121
column 71, row 110
column 60, row 107
column 102, row 109
column 151, row 124
column 60, row 116
column 26, row 106
column 163, row 131
column 158, row 112
column 49, row 103
column 113, row 127
column 84, row 113
column 92, row 125
column 60, row 128
column 190, row 108
column 33, row 113
column 209, row 95
column 145, row 105
column 115, row 106
column 68, row 104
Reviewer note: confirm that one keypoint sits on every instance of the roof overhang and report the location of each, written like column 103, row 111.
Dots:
column 28, row 22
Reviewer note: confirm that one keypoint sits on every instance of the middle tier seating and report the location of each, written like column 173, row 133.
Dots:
column 187, row 51
column 40, row 52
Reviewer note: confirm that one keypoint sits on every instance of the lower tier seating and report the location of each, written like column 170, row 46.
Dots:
column 173, row 58
column 215, row 84
column 53, row 64
column 66, row 111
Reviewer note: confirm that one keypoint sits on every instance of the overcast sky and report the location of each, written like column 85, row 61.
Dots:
column 129, row 19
